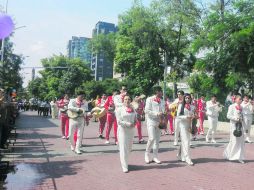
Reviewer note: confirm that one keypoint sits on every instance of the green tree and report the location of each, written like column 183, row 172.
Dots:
column 226, row 45
column 178, row 24
column 61, row 75
column 9, row 75
column 138, row 51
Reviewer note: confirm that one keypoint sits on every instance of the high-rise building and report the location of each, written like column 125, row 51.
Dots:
column 78, row 47
column 100, row 66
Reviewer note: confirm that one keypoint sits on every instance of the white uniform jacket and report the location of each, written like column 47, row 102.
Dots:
column 152, row 109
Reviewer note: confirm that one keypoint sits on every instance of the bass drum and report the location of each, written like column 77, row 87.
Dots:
column 98, row 112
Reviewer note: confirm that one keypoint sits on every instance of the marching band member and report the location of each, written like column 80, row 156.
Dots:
column 185, row 114
column 213, row 109
column 139, row 109
column 235, row 148
column 111, row 118
column 63, row 106
column 194, row 120
column 154, row 109
column 176, row 104
column 171, row 117
column 126, row 122
column 100, row 103
column 78, row 108
column 201, row 114
column 248, row 110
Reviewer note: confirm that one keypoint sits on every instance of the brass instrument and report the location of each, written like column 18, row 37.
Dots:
column 73, row 114
column 98, row 112
column 173, row 109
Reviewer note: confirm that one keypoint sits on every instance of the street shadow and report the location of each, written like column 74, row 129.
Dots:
column 162, row 166
column 40, row 174
column 35, row 121
column 208, row 160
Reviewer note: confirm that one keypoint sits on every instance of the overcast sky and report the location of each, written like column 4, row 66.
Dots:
column 51, row 23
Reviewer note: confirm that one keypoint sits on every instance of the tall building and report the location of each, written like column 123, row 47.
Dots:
column 78, row 47
column 100, row 66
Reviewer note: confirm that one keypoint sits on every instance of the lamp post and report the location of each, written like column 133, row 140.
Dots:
column 165, row 76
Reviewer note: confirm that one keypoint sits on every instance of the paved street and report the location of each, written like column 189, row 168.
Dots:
column 44, row 161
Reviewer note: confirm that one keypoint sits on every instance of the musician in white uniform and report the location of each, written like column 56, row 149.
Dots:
column 248, row 109
column 185, row 114
column 235, row 148
column 213, row 109
column 176, row 103
column 78, row 118
column 154, row 109
column 126, row 124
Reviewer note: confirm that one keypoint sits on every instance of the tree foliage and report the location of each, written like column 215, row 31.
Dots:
column 10, row 77
column 226, row 44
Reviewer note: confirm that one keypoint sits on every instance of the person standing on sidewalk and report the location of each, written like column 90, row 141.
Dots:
column 154, row 109
column 185, row 114
column 63, row 106
column 213, row 109
column 236, row 147
column 78, row 119
column 248, row 110
column 126, row 124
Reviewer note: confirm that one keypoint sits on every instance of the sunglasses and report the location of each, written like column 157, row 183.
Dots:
column 187, row 97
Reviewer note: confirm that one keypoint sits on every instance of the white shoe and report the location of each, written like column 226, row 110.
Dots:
column 156, row 161
column 189, row 162
column 248, row 140
column 72, row 148
column 107, row 142
column 241, row 161
column 213, row 141
column 175, row 143
column 63, row 137
column 147, row 159
column 125, row 170
column 77, row 151
column 207, row 139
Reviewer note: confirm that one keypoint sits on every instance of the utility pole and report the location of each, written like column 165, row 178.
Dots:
column 165, row 75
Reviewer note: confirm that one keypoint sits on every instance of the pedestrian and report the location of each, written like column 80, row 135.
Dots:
column 78, row 119
column 185, row 114
column 54, row 110
column 213, row 109
column 126, row 123
column 154, row 109
column 248, row 109
column 236, row 147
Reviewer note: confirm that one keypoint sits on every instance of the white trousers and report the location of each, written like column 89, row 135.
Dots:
column 154, row 134
column 77, row 123
column 235, row 148
column 125, row 137
column 213, row 122
column 247, row 121
column 177, row 129
column 185, row 141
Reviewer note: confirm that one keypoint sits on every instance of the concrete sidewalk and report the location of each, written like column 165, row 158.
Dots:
column 42, row 160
